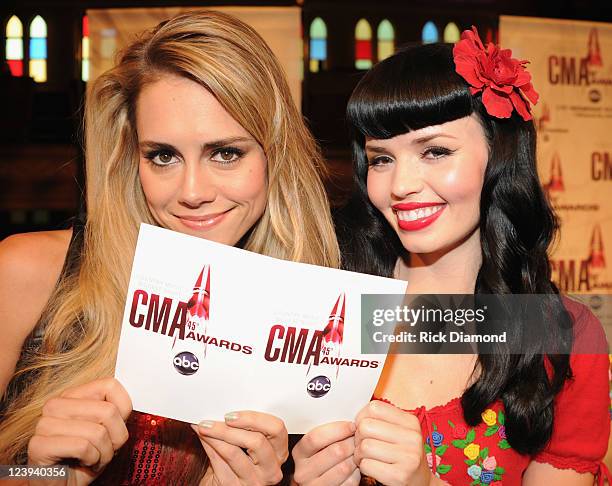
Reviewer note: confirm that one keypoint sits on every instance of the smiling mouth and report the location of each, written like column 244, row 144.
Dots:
column 415, row 214
column 202, row 222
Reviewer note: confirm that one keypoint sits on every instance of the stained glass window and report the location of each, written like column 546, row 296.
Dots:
column 363, row 45
column 430, row 33
column 14, row 45
column 38, row 49
column 386, row 39
column 318, row 44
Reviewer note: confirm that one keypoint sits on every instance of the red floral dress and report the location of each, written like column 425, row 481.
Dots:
column 482, row 455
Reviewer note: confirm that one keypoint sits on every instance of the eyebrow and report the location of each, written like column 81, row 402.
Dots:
column 148, row 144
column 417, row 141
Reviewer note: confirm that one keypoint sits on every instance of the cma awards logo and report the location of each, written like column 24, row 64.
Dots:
column 573, row 275
column 580, row 71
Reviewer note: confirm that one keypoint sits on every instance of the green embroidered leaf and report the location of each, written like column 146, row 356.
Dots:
column 497, row 477
column 451, row 424
column 460, row 444
column 441, row 450
column 503, row 444
column 471, row 435
column 501, row 418
column 443, row 468
column 427, row 448
column 434, row 427
column 471, row 462
column 475, row 482
column 499, row 470
column 491, row 430
column 484, row 453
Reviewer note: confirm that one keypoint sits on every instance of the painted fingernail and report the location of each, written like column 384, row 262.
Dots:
column 206, row 424
column 231, row 416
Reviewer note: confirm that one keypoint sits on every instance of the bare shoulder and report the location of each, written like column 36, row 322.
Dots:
column 35, row 259
column 30, row 265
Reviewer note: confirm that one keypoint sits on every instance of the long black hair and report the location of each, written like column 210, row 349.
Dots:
column 419, row 87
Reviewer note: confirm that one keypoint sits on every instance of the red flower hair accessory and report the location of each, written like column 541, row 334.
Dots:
column 504, row 81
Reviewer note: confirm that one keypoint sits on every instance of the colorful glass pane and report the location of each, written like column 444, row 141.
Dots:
column 385, row 31
column 14, row 49
column 38, row 48
column 85, row 70
column 385, row 49
column 85, row 26
column 363, row 31
column 16, row 67
column 14, row 27
column 318, row 29
column 451, row 33
column 318, row 49
column 38, row 70
column 430, row 33
column 38, row 27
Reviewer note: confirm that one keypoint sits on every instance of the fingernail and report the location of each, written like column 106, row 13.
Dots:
column 231, row 416
column 206, row 424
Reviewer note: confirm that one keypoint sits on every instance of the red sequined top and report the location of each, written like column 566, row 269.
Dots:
column 481, row 455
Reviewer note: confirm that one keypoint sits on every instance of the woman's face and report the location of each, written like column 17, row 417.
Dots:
column 201, row 172
column 427, row 183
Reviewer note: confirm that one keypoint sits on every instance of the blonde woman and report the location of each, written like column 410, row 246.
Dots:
column 193, row 130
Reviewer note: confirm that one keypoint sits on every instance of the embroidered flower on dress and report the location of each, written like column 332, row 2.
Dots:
column 472, row 451
column 459, row 431
column 502, row 432
column 503, row 80
column 490, row 463
column 474, row 471
column 489, row 417
column 486, row 477
column 436, row 438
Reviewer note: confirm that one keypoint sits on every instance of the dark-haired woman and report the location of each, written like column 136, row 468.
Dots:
column 447, row 197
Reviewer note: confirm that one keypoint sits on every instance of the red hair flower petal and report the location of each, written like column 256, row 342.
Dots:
column 496, row 104
column 503, row 80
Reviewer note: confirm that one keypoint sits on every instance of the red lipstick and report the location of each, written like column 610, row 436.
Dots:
column 420, row 223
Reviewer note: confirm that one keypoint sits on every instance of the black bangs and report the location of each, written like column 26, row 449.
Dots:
column 412, row 89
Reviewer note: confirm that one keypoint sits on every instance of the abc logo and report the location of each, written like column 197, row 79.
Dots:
column 186, row 363
column 595, row 95
column 318, row 386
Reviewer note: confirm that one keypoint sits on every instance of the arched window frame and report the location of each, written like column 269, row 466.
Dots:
column 317, row 52
column 14, row 45
column 363, row 44
column 38, row 49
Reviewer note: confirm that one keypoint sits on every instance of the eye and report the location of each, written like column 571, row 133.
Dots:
column 227, row 155
column 161, row 157
column 381, row 160
column 436, row 152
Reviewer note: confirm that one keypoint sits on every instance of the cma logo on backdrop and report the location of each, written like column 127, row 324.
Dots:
column 580, row 71
column 579, row 275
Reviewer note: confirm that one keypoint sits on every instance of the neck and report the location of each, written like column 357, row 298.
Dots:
column 448, row 271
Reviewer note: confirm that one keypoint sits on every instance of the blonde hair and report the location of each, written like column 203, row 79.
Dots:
column 83, row 317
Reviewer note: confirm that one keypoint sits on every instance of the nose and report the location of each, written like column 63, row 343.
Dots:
column 197, row 185
column 407, row 178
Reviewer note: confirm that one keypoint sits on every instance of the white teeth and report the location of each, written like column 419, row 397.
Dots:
column 415, row 214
